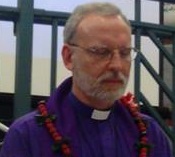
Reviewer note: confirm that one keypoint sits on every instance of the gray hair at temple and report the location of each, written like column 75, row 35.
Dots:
column 102, row 9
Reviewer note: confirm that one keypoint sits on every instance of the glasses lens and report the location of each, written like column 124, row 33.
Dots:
column 134, row 52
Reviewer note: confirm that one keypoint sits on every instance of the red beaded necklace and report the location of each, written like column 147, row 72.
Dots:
column 62, row 145
column 142, row 145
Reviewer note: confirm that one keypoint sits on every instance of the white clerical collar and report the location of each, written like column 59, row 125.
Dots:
column 100, row 115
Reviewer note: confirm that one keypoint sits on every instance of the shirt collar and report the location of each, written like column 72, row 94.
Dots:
column 84, row 110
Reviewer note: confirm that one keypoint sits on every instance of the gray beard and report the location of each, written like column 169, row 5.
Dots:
column 94, row 89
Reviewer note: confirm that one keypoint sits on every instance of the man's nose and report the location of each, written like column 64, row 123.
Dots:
column 115, row 61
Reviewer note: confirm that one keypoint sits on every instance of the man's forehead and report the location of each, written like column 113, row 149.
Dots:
column 93, row 21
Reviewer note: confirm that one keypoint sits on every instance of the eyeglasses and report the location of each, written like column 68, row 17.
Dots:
column 104, row 53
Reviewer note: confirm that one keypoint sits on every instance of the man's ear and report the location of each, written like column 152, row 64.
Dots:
column 67, row 56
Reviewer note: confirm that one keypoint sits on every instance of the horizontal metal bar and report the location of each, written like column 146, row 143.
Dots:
column 157, row 27
column 9, row 13
column 41, row 16
column 47, row 17
column 168, row 1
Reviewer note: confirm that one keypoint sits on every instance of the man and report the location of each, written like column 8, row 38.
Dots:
column 92, row 120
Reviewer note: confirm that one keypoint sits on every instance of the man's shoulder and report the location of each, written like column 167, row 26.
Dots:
column 149, row 120
column 147, row 117
column 27, row 120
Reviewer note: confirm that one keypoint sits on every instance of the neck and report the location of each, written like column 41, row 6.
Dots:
column 91, row 101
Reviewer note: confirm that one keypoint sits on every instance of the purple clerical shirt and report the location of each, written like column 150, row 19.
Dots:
column 115, row 136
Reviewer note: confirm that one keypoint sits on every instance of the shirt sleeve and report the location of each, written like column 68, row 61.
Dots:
column 14, row 145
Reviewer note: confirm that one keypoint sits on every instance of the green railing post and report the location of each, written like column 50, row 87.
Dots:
column 54, row 55
column 137, row 45
column 24, row 35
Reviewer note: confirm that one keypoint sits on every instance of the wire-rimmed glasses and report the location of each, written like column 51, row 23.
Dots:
column 104, row 53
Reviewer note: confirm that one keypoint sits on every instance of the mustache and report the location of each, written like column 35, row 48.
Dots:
column 113, row 75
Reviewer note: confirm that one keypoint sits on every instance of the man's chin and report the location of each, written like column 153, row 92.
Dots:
column 111, row 96
column 113, row 88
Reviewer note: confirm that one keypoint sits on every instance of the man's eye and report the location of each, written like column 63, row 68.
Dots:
column 100, row 51
column 125, row 51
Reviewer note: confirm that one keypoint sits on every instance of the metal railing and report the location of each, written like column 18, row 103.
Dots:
column 5, row 129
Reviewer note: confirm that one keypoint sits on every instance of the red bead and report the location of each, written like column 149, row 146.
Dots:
column 48, row 120
column 52, row 130
column 143, row 154
column 44, row 113
column 55, row 135
column 144, row 138
column 49, row 125
column 41, row 106
column 63, row 146
column 142, row 129
column 58, row 138
column 143, row 150
column 65, row 149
